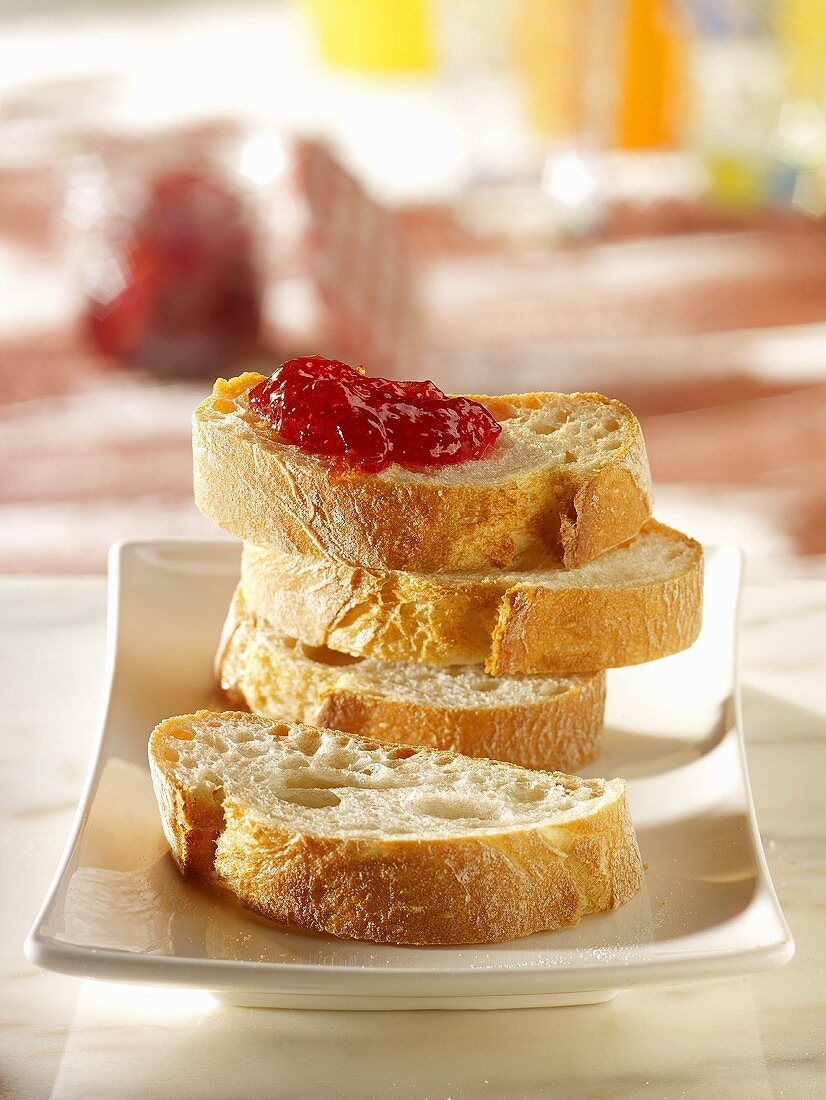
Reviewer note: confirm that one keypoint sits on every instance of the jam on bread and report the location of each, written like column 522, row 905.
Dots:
column 325, row 407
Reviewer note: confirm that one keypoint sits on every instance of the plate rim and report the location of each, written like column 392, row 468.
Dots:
column 103, row 963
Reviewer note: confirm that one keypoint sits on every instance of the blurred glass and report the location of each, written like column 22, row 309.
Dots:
column 597, row 75
column 801, row 130
column 758, row 99
column 652, row 96
column 737, row 85
column 373, row 36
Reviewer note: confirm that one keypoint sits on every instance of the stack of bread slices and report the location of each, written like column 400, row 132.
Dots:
column 406, row 640
column 472, row 608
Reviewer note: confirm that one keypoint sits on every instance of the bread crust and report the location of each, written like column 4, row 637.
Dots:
column 480, row 888
column 510, row 627
column 560, row 732
column 271, row 494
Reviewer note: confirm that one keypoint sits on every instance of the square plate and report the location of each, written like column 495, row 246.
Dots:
column 118, row 909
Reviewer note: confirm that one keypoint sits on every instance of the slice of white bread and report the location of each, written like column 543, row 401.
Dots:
column 566, row 480
column 536, row 721
column 635, row 603
column 368, row 840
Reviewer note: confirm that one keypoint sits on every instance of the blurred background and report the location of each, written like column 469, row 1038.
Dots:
column 500, row 195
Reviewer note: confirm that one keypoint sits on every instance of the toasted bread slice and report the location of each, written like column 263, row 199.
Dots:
column 536, row 721
column 567, row 479
column 635, row 603
column 383, row 842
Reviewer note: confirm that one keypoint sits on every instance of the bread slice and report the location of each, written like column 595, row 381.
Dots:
column 567, row 479
column 635, row 603
column 382, row 842
column 536, row 721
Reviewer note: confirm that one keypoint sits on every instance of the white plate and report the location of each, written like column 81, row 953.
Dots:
column 119, row 910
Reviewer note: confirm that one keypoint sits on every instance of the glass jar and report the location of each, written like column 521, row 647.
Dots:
column 170, row 267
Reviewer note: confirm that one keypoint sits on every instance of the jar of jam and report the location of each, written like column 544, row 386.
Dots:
column 171, row 279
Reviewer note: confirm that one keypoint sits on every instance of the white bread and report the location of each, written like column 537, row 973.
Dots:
column 535, row 721
column 635, row 603
column 346, row 835
column 567, row 479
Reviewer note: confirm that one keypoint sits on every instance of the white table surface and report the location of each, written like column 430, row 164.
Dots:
column 756, row 1037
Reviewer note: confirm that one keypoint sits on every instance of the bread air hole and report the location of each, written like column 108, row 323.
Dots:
column 181, row 733
column 321, row 655
column 488, row 684
column 545, row 429
column 313, row 798
column 450, row 809
column 501, row 410
column 612, row 424
column 308, row 741
column 524, row 792
column 306, row 781
column 340, row 757
column 402, row 752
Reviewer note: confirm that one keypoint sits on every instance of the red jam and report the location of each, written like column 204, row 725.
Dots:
column 189, row 299
column 325, row 407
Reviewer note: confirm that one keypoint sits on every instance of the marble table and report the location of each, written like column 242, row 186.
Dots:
column 757, row 1037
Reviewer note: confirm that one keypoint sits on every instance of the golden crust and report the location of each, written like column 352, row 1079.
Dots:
column 607, row 510
column 546, row 630
column 192, row 824
column 555, row 732
column 390, row 615
column 483, row 888
column 271, row 494
column 511, row 628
